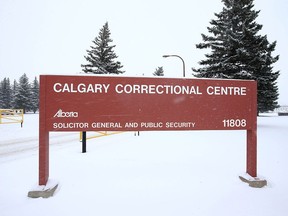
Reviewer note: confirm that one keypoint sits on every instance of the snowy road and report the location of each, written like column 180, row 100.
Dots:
column 15, row 141
column 23, row 145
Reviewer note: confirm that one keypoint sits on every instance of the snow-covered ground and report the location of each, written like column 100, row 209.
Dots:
column 157, row 173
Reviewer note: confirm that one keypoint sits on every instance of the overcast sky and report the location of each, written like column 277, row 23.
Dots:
column 51, row 37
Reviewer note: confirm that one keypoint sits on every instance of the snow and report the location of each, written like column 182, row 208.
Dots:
column 156, row 173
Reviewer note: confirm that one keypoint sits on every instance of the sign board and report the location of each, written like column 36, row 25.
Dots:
column 97, row 103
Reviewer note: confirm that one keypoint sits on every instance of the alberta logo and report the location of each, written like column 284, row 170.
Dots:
column 61, row 114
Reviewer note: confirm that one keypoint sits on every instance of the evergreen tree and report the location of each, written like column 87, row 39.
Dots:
column 22, row 97
column 2, row 94
column 14, row 90
column 35, row 95
column 101, row 58
column 239, row 52
column 159, row 72
column 5, row 94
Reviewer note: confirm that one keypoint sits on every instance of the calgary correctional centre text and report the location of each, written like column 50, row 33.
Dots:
column 149, row 89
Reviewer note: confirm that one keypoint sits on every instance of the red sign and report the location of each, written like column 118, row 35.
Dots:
column 97, row 103
column 77, row 103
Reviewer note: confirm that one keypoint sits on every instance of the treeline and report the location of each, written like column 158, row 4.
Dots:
column 20, row 95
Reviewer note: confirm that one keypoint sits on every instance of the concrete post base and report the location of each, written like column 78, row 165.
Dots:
column 253, row 182
column 44, row 191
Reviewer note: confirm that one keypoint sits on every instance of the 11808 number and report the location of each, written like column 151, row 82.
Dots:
column 234, row 123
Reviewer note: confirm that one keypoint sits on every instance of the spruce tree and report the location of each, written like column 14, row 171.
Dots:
column 102, row 58
column 5, row 94
column 2, row 94
column 35, row 95
column 14, row 91
column 159, row 72
column 22, row 97
column 238, row 51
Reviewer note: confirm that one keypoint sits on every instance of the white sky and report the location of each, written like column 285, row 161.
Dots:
column 51, row 37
